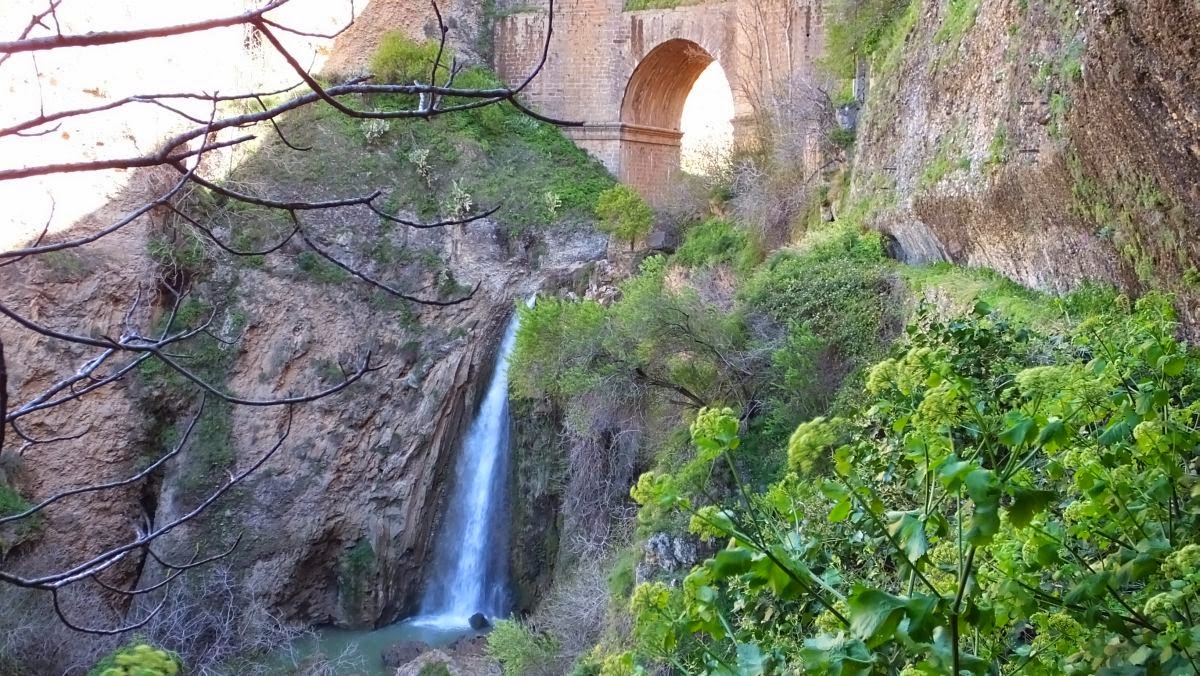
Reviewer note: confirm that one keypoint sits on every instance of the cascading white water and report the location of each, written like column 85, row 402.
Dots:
column 470, row 566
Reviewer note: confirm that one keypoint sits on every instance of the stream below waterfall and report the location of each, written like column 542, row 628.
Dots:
column 469, row 569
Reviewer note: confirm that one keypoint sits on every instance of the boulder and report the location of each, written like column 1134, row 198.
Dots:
column 400, row 654
column 479, row 622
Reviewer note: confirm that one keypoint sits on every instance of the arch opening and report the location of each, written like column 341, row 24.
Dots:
column 707, row 124
column 680, row 92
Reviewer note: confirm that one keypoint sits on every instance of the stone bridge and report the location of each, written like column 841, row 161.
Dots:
column 627, row 74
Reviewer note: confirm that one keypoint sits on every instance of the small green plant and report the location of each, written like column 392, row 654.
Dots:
column 622, row 575
column 435, row 669
column 842, row 137
column 624, row 214
column 419, row 157
column 458, row 202
column 712, row 242
column 997, row 149
column 1060, row 106
column 178, row 250
column 402, row 60
column 66, row 266
column 138, row 659
column 960, row 18
column 374, row 129
column 519, row 649
column 553, row 204
column 355, row 566
column 319, row 269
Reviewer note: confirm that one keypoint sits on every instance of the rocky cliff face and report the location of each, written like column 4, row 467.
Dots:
column 1053, row 141
column 336, row 527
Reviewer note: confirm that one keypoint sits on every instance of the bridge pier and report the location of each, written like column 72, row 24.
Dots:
column 646, row 158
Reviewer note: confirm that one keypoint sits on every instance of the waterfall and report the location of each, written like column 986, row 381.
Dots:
column 470, row 567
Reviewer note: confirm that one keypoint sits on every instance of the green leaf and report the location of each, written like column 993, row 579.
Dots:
column 874, row 615
column 1020, row 427
column 1054, row 435
column 984, row 490
column 732, row 562
column 750, row 660
column 840, row 511
column 1027, row 502
column 953, row 472
column 909, row 530
column 1172, row 365
column 1116, row 433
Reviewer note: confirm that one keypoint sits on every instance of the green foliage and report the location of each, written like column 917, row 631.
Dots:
column 519, row 649
column 13, row 534
column 11, row 501
column 320, row 270
column 435, row 669
column 712, row 242
column 623, row 213
column 842, row 137
column 830, row 300
column 66, row 265
column 138, row 659
column 997, row 149
column 621, row 577
column 354, row 569
column 1003, row 502
column 960, row 18
column 862, row 29
column 402, row 60
column 178, row 250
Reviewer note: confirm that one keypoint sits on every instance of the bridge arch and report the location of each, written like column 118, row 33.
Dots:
column 652, row 142
column 659, row 86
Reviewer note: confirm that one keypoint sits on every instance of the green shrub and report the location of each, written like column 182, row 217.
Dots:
column 858, row 29
column 435, row 669
column 319, row 269
column 960, row 17
column 712, row 242
column 11, row 501
column 623, row 213
column 622, row 575
column 1029, row 494
column 402, row 60
column 842, row 137
column 137, row 659
column 519, row 650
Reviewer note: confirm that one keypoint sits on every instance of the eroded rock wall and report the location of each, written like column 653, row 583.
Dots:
column 1056, row 142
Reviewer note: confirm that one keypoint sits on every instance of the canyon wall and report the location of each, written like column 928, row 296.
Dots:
column 1055, row 142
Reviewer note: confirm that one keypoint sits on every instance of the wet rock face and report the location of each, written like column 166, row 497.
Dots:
column 1056, row 145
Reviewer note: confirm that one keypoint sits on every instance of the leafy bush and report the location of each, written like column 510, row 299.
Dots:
column 712, row 242
column 520, row 651
column 402, row 60
column 623, row 213
column 859, row 29
column 137, row 659
column 1003, row 502
column 830, row 301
